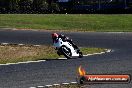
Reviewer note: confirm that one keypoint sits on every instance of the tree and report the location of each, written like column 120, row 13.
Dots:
column 41, row 6
column 25, row 6
column 13, row 5
column 9, row 5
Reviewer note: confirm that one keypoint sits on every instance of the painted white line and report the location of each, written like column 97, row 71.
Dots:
column 65, row 83
column 114, row 32
column 56, row 84
column 62, row 58
column 40, row 86
column 32, row 61
column 4, row 43
column 32, row 87
column 98, row 53
column 11, row 63
column 20, row 44
column 24, row 62
column 41, row 60
column 85, row 55
column 3, row 64
column 73, row 82
column 36, row 45
column 90, row 54
column 48, row 85
column 109, row 50
column 102, row 52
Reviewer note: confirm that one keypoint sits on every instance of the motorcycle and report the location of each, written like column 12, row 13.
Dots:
column 65, row 48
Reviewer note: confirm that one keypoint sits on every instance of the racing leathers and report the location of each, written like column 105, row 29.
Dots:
column 64, row 38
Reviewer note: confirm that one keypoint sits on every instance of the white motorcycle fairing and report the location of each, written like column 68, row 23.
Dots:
column 61, row 43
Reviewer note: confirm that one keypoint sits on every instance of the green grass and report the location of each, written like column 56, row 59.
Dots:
column 14, row 53
column 91, row 50
column 77, row 22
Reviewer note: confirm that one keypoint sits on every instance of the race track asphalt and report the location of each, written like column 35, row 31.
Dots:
column 119, row 61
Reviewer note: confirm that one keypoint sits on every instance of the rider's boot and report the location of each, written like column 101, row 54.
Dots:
column 58, row 53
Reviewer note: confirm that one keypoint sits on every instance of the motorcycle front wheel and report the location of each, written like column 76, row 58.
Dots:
column 66, row 52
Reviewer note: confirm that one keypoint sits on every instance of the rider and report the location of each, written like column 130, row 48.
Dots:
column 55, row 36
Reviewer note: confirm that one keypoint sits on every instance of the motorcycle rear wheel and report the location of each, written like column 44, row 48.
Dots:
column 80, row 54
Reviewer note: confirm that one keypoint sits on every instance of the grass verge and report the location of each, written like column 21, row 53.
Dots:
column 66, row 22
column 14, row 53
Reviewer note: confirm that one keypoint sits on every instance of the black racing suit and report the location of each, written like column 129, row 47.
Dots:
column 64, row 38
